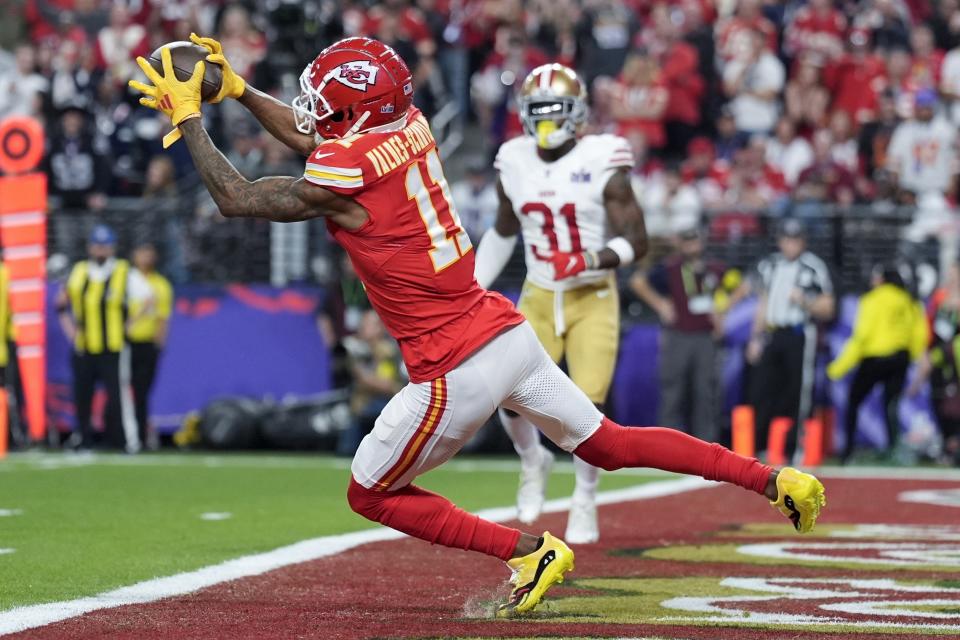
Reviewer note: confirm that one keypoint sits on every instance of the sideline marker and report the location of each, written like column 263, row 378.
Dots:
column 742, row 424
column 812, row 442
column 777, row 441
column 23, row 224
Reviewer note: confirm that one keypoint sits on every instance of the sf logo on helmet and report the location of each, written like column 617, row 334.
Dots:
column 357, row 75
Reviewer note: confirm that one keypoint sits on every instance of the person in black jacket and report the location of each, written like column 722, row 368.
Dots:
column 78, row 175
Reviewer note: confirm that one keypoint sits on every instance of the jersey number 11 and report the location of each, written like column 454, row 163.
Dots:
column 449, row 242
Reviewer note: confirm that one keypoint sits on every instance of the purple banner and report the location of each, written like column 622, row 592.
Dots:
column 263, row 342
column 235, row 341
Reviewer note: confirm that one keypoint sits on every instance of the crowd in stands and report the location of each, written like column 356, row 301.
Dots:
column 784, row 106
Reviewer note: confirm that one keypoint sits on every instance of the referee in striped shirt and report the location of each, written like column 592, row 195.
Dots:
column 795, row 291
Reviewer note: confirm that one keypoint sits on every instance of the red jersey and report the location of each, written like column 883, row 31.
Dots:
column 820, row 33
column 412, row 254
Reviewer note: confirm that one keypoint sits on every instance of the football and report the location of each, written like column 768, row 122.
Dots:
column 184, row 56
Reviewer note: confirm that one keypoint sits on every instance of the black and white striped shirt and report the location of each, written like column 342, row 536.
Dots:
column 779, row 277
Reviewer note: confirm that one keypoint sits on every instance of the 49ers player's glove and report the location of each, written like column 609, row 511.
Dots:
column 567, row 265
column 233, row 85
column 179, row 100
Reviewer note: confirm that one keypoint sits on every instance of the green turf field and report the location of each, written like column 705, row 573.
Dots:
column 82, row 525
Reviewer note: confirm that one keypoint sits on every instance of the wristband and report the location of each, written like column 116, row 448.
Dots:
column 624, row 250
column 590, row 260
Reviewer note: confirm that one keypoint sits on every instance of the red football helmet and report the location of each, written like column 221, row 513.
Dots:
column 354, row 85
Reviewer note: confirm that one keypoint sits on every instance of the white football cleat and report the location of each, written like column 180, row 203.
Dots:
column 582, row 525
column 533, row 487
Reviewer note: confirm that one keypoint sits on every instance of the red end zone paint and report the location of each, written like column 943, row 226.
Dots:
column 408, row 589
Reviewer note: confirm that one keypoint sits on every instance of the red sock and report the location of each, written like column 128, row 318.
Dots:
column 615, row 447
column 431, row 517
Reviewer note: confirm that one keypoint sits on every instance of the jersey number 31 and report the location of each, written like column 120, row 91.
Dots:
column 449, row 242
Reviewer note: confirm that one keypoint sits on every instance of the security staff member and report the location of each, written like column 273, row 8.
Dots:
column 9, row 371
column 147, row 331
column 794, row 291
column 690, row 294
column 890, row 331
column 93, row 312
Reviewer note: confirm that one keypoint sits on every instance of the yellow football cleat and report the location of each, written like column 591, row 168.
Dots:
column 533, row 574
column 799, row 497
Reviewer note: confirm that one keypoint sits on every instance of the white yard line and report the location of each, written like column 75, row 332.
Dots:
column 32, row 616
column 43, row 461
column 38, row 461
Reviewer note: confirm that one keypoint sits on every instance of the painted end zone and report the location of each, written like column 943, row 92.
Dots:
column 714, row 562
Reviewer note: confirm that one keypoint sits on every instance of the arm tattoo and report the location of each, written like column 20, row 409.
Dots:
column 275, row 198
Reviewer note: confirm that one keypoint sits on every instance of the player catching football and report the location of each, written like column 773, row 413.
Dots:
column 573, row 201
column 376, row 178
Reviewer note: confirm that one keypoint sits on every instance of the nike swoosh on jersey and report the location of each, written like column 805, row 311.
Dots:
column 321, row 155
column 570, row 265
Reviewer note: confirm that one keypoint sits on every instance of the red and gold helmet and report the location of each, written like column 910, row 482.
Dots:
column 553, row 104
column 354, row 85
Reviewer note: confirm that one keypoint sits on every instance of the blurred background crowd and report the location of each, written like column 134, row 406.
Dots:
column 810, row 108
column 750, row 105
column 740, row 113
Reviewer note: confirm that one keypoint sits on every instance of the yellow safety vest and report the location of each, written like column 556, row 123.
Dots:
column 99, row 308
column 144, row 328
column 888, row 320
column 6, row 316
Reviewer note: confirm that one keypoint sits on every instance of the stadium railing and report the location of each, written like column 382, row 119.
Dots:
column 197, row 245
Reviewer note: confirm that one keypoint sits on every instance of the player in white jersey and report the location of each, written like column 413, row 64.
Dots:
column 571, row 197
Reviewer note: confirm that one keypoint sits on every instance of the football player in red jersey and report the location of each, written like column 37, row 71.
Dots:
column 374, row 174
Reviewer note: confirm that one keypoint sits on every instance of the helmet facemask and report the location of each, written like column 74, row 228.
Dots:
column 305, row 105
column 310, row 108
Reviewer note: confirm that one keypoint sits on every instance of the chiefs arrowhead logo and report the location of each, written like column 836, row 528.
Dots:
column 357, row 75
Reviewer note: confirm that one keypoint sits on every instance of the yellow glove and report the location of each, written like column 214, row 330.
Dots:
column 233, row 85
column 179, row 100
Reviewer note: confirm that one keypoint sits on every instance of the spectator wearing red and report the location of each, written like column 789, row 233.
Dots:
column 119, row 43
column 680, row 71
column 44, row 18
column 787, row 152
column 816, row 29
column 709, row 176
column 409, row 22
column 856, row 79
column 639, row 99
column 734, row 32
column 927, row 59
column 753, row 83
column 807, row 99
column 754, row 184
column 823, row 182
column 646, row 166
